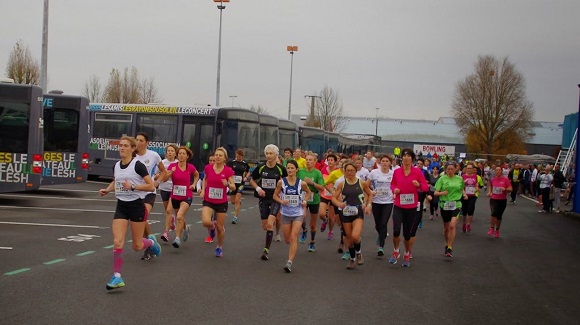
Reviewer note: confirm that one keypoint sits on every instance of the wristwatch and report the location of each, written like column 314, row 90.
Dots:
column 133, row 187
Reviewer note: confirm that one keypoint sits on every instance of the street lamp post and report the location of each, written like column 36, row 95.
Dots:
column 291, row 49
column 377, row 122
column 44, row 56
column 232, row 97
column 221, row 7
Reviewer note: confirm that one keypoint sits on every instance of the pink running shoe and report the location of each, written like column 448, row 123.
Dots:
column 469, row 228
column 208, row 240
column 496, row 235
column 464, row 228
column 490, row 232
column 165, row 236
column 172, row 222
column 330, row 235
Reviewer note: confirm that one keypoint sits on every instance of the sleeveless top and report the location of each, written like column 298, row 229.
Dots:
column 294, row 194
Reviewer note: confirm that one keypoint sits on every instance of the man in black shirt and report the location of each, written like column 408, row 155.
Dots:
column 241, row 172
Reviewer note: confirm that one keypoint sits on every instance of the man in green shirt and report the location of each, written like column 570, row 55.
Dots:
column 312, row 177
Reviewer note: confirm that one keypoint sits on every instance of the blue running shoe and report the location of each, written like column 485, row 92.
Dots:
column 406, row 261
column 235, row 220
column 115, row 283
column 394, row 257
column 212, row 231
column 346, row 256
column 303, row 236
column 185, row 235
column 219, row 252
column 156, row 248
column 311, row 247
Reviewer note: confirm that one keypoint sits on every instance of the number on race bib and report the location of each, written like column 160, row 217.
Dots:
column 293, row 200
column 237, row 179
column 406, row 199
column 119, row 187
column 497, row 190
column 350, row 210
column 470, row 190
column 451, row 205
column 268, row 183
column 179, row 190
column 383, row 191
column 216, row 193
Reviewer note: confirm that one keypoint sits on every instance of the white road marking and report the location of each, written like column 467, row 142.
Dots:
column 5, row 247
column 61, row 209
column 49, row 225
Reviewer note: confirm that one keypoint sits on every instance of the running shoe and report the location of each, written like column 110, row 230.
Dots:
column 311, row 247
column 264, row 256
column 359, row 259
column 380, row 252
column 323, row 225
column 464, row 228
column 496, row 234
column 288, row 267
column 235, row 220
column 346, row 256
column 330, row 235
column 185, row 235
column 277, row 237
column 351, row 264
column 410, row 254
column 449, row 252
column 208, row 240
column 431, row 217
column 165, row 236
column 340, row 250
column 490, row 232
column 115, row 283
column 156, row 248
column 406, row 260
column 172, row 227
column 445, row 250
column 219, row 252
column 420, row 224
column 176, row 242
column 468, row 228
column 212, row 230
column 302, row 238
column 146, row 254
column 394, row 257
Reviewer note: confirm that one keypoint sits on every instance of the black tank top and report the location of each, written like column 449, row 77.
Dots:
column 353, row 193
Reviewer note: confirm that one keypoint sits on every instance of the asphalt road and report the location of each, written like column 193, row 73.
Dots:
column 56, row 257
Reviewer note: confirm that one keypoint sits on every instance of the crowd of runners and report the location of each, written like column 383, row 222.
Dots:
column 296, row 189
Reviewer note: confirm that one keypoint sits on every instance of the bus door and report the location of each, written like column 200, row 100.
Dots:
column 198, row 135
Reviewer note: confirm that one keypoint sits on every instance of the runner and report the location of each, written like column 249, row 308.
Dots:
column 181, row 174
column 473, row 183
column 165, row 189
column 451, row 190
column 131, row 184
column 353, row 198
column 241, row 172
column 499, row 185
column 210, row 231
column 313, row 177
column 433, row 200
column 380, row 181
column 292, row 194
column 267, row 175
column 406, row 183
column 152, row 161
column 218, row 178
column 326, row 210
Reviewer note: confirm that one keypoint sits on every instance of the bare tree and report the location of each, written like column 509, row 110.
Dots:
column 126, row 88
column 329, row 110
column 22, row 67
column 92, row 89
column 149, row 91
column 259, row 109
column 491, row 105
column 114, row 88
column 131, row 86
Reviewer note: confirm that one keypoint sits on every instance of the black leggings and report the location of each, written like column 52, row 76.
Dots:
column 547, row 204
column 434, row 205
column 409, row 218
column 382, row 213
column 468, row 206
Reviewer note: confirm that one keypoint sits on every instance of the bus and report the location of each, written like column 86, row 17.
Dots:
column 21, row 137
column 313, row 139
column 287, row 134
column 268, row 133
column 202, row 129
column 66, row 139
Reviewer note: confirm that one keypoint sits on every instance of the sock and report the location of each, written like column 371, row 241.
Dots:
column 269, row 235
column 357, row 247
column 396, row 250
column 289, row 261
column 312, row 236
column 147, row 243
column 117, row 260
column 303, row 227
column 352, row 252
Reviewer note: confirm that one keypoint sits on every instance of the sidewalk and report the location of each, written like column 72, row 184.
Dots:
column 566, row 211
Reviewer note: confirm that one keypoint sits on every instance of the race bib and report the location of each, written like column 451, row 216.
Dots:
column 119, row 187
column 268, row 183
column 383, row 191
column 451, row 205
column 406, row 199
column 237, row 179
column 470, row 190
column 216, row 193
column 179, row 190
column 350, row 210
column 497, row 190
column 293, row 200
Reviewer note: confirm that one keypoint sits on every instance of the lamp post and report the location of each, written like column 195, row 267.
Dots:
column 291, row 49
column 221, row 7
column 377, row 122
column 232, row 97
column 44, row 55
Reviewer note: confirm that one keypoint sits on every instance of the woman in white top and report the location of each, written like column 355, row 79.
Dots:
column 165, row 189
column 380, row 181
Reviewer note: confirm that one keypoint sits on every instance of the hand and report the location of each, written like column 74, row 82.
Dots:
column 225, row 182
column 416, row 183
column 127, row 185
column 304, row 203
column 397, row 191
column 262, row 193
column 285, row 202
column 103, row 191
column 342, row 205
column 367, row 209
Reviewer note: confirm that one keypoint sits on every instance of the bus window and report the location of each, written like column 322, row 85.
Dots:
column 14, row 126
column 61, row 128
column 161, row 128
column 241, row 135
column 112, row 126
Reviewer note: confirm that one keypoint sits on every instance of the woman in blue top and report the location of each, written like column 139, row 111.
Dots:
column 292, row 194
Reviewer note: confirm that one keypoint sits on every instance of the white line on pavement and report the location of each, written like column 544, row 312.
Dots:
column 49, row 224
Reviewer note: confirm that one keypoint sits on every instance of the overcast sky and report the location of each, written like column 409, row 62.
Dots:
column 404, row 57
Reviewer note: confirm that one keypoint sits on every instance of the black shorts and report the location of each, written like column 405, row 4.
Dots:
column 165, row 195
column 267, row 208
column 313, row 208
column 327, row 201
column 350, row 219
column 217, row 207
column 447, row 215
column 150, row 199
column 134, row 211
column 176, row 203
column 497, row 207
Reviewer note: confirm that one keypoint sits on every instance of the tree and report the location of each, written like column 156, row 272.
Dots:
column 491, row 109
column 22, row 67
column 149, row 91
column 259, row 109
column 329, row 110
column 92, row 89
